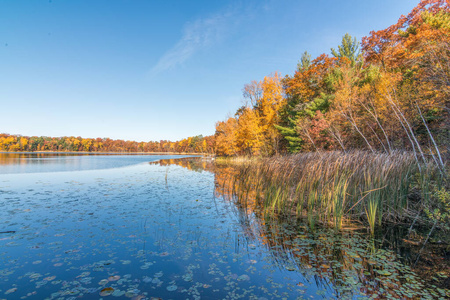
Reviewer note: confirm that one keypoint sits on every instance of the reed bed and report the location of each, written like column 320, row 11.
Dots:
column 331, row 187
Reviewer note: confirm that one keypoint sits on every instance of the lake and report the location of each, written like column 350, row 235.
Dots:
column 160, row 227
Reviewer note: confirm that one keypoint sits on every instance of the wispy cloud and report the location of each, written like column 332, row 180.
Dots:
column 198, row 35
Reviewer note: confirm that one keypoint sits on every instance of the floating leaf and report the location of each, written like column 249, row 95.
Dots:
column 290, row 268
column 171, row 288
column 50, row 278
column 113, row 278
column 243, row 278
column 118, row 293
column 106, row 291
column 384, row 272
column 12, row 290
column 187, row 277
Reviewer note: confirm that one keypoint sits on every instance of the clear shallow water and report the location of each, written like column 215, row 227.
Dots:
column 144, row 230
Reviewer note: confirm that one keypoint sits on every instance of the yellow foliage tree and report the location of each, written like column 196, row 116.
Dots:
column 249, row 135
column 226, row 142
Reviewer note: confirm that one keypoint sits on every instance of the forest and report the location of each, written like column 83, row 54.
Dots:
column 196, row 144
column 390, row 91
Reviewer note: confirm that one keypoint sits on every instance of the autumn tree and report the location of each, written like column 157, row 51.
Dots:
column 225, row 137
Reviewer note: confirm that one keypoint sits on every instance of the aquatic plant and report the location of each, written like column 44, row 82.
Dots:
column 332, row 187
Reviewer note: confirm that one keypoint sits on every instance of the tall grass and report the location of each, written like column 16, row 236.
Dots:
column 331, row 187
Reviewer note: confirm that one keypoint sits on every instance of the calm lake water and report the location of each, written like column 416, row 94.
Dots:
column 121, row 227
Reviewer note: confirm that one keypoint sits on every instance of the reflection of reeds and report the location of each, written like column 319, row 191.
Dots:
column 346, row 264
column 329, row 187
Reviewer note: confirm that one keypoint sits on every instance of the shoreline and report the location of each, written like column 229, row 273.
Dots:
column 103, row 152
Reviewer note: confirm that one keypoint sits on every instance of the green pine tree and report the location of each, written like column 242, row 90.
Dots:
column 349, row 48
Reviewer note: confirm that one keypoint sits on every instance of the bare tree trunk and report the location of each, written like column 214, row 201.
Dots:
column 375, row 116
column 397, row 110
column 336, row 136
column 352, row 121
column 410, row 140
column 441, row 165
column 307, row 134
column 376, row 135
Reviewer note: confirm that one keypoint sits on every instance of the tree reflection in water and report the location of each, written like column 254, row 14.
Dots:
column 338, row 261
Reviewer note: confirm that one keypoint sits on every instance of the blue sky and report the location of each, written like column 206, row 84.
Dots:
column 152, row 70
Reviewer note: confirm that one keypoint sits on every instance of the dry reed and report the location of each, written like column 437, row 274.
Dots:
column 330, row 186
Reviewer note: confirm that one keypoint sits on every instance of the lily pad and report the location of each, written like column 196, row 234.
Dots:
column 290, row 268
column 172, row 288
column 103, row 282
column 10, row 291
column 384, row 272
column 113, row 278
column 243, row 278
column 106, row 291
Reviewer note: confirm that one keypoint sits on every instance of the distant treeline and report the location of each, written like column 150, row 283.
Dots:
column 393, row 92
column 196, row 144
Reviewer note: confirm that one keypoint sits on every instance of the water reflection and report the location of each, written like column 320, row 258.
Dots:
column 192, row 164
column 16, row 163
column 343, row 264
column 12, row 158
column 172, row 229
